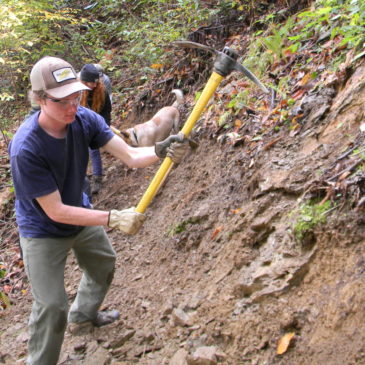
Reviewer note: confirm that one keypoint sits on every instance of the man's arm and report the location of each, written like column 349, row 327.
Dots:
column 127, row 220
column 131, row 156
column 57, row 211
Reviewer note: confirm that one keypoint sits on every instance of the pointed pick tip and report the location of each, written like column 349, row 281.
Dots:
column 265, row 89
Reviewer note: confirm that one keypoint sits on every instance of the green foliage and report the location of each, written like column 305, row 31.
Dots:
column 345, row 19
column 257, row 59
column 360, row 153
column 277, row 41
column 239, row 101
column 140, row 30
column 145, row 27
column 2, row 271
column 4, row 300
column 308, row 216
column 225, row 120
column 274, row 43
column 30, row 30
column 326, row 19
column 182, row 227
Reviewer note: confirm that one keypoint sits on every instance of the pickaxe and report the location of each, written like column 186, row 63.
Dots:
column 225, row 63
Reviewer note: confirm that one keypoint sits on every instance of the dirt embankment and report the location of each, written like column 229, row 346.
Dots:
column 217, row 274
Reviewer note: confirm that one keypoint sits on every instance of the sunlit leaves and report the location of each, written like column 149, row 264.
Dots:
column 26, row 26
column 4, row 300
column 149, row 26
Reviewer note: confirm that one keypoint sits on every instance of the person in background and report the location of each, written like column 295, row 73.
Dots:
column 106, row 80
column 49, row 158
column 97, row 99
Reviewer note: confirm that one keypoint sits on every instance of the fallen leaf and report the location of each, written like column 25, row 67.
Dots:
column 344, row 175
column 305, row 79
column 156, row 66
column 298, row 94
column 237, row 123
column 243, row 84
column 271, row 143
column 216, row 231
column 284, row 343
column 283, row 103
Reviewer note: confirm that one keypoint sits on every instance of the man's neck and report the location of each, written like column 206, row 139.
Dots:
column 51, row 126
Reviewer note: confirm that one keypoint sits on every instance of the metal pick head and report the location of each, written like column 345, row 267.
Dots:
column 251, row 76
column 228, row 66
column 189, row 44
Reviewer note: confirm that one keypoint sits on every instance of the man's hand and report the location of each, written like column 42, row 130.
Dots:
column 174, row 147
column 177, row 150
column 128, row 220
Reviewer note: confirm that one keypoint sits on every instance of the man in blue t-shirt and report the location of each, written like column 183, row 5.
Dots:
column 49, row 158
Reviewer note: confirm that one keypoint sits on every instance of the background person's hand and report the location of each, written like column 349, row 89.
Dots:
column 128, row 220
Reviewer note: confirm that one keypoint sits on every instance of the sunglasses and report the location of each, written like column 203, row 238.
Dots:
column 64, row 103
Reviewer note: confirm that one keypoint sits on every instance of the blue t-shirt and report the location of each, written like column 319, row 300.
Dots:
column 42, row 164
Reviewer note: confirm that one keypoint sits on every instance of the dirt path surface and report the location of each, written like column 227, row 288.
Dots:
column 217, row 275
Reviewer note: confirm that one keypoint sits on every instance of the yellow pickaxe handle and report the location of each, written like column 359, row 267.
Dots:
column 212, row 84
column 116, row 131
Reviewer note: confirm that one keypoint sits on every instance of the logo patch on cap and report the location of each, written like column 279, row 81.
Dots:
column 64, row 74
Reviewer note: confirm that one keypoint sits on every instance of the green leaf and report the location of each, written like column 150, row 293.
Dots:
column 4, row 299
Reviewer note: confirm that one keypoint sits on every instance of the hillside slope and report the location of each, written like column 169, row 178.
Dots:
column 217, row 269
column 254, row 245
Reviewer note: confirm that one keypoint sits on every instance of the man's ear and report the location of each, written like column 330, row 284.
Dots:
column 39, row 101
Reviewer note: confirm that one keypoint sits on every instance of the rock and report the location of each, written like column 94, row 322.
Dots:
column 269, row 274
column 80, row 329
column 144, row 336
column 80, row 347
column 205, row 355
column 99, row 357
column 180, row 318
column 23, row 337
column 6, row 359
column 179, row 358
column 194, row 302
column 167, row 309
column 122, row 339
column 145, row 304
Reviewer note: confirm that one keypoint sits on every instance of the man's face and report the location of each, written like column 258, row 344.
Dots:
column 62, row 110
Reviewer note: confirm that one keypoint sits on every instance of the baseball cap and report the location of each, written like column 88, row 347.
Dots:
column 89, row 73
column 55, row 76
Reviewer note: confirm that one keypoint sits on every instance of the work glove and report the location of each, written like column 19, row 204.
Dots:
column 174, row 147
column 128, row 220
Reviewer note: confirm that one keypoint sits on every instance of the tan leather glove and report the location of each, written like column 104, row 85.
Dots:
column 128, row 220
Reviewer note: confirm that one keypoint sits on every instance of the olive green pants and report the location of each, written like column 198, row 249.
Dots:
column 45, row 260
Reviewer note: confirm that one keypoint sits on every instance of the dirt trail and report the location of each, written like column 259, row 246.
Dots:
column 216, row 274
